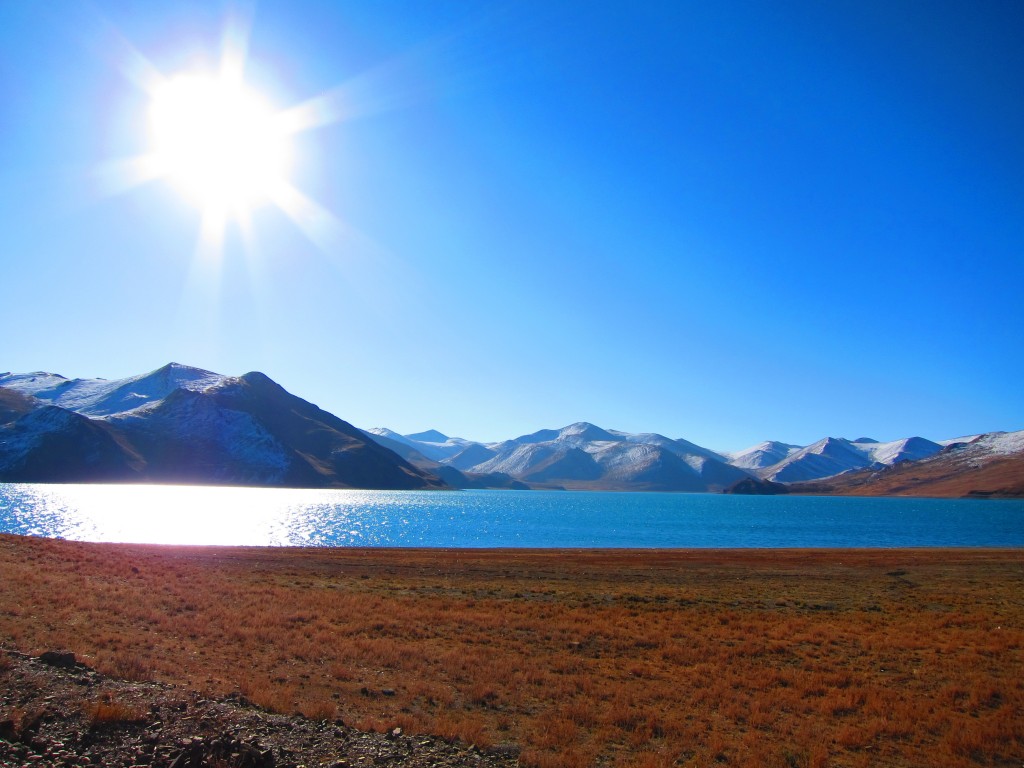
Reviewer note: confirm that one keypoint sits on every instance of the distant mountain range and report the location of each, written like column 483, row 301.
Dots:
column 186, row 425
column 585, row 456
column 982, row 466
column 580, row 456
column 784, row 463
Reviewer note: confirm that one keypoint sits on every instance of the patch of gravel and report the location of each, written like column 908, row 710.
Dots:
column 57, row 712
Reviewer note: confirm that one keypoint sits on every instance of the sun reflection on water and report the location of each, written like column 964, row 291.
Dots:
column 177, row 514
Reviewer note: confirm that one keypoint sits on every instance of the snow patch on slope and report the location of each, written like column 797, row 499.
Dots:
column 1001, row 443
column 32, row 428
column 519, row 461
column 100, row 398
column 834, row 455
column 762, row 455
column 584, row 432
column 908, row 449
column 390, row 434
column 190, row 419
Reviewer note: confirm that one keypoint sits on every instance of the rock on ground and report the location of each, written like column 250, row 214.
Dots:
column 56, row 712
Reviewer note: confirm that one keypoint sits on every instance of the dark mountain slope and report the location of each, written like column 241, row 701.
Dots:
column 14, row 405
column 52, row 444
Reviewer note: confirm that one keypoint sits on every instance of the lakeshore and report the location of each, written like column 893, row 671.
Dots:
column 907, row 657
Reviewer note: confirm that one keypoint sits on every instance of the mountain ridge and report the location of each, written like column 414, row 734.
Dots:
column 183, row 424
column 565, row 458
column 585, row 456
column 991, row 465
column 186, row 425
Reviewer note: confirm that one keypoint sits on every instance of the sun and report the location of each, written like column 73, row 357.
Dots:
column 218, row 141
column 226, row 147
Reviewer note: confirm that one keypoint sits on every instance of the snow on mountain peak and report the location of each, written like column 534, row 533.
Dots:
column 585, row 431
column 385, row 432
column 101, row 398
column 1001, row 442
column 832, row 455
column 909, row 448
column 762, row 455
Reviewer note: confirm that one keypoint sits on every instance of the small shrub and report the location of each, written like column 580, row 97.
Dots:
column 130, row 666
column 108, row 711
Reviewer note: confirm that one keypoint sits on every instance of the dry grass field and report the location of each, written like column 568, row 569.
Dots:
column 640, row 658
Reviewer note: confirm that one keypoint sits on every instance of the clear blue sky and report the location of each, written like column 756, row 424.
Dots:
column 725, row 221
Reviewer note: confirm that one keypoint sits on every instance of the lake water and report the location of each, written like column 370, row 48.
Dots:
column 274, row 517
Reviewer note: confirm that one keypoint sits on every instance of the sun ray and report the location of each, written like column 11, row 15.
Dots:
column 390, row 86
column 319, row 225
column 109, row 44
column 402, row 81
column 343, row 246
column 115, row 177
column 210, row 245
column 199, row 302
column 235, row 45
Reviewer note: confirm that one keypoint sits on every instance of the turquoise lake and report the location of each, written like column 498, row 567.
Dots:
column 287, row 517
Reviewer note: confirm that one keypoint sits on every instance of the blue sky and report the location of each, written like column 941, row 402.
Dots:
column 727, row 222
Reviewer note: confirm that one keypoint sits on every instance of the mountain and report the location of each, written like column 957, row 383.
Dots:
column 449, row 473
column 438, row 447
column 834, row 455
column 470, row 456
column 762, row 455
column 583, row 455
column 14, row 405
column 99, row 397
column 430, row 436
column 184, row 424
column 828, row 456
column 988, row 465
column 181, row 424
column 54, row 445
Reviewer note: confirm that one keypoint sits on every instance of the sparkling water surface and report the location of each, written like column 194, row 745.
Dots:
column 274, row 517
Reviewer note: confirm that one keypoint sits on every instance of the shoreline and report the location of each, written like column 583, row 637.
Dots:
column 367, row 550
column 822, row 488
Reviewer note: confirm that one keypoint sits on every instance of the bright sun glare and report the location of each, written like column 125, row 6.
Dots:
column 218, row 141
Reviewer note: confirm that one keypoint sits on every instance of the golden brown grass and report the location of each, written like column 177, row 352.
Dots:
column 644, row 658
column 107, row 710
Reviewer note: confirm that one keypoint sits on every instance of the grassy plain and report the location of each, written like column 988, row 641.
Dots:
column 620, row 658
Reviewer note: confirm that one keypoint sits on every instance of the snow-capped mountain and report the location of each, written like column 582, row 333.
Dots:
column 583, row 455
column 986, row 465
column 99, row 397
column 449, row 472
column 762, row 455
column 996, row 444
column 431, row 443
column 833, row 455
column 470, row 456
column 182, row 424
